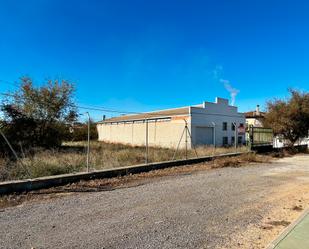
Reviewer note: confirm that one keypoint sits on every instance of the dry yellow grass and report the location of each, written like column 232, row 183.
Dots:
column 127, row 180
column 72, row 158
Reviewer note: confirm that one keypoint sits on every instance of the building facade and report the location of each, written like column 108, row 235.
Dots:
column 255, row 118
column 209, row 123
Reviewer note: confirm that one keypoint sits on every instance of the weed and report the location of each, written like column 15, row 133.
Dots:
column 72, row 158
column 279, row 223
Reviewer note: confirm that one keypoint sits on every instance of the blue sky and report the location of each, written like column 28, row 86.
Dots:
column 146, row 55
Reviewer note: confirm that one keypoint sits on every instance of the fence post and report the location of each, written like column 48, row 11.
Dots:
column 146, row 142
column 13, row 151
column 88, row 142
column 235, row 140
column 186, row 140
column 214, row 134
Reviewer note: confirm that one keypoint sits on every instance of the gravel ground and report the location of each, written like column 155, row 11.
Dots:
column 204, row 209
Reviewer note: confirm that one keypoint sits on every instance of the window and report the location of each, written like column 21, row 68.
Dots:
column 233, row 126
column 239, row 140
column 233, row 140
column 224, row 126
column 225, row 141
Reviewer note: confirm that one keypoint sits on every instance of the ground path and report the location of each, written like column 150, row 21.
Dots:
column 243, row 207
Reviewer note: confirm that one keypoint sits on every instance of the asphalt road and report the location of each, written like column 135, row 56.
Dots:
column 199, row 210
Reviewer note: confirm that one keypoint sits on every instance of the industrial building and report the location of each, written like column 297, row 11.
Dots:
column 218, row 124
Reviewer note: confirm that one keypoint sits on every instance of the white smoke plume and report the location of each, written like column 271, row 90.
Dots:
column 233, row 91
column 218, row 74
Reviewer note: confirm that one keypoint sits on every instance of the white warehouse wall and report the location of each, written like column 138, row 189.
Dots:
column 216, row 113
column 160, row 133
column 167, row 132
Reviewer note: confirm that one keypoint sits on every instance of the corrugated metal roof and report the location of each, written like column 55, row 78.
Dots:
column 156, row 114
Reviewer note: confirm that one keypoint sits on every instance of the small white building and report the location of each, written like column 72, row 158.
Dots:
column 207, row 124
column 255, row 118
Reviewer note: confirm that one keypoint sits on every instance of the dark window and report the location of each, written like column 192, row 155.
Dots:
column 233, row 127
column 239, row 140
column 233, row 140
column 224, row 126
column 225, row 141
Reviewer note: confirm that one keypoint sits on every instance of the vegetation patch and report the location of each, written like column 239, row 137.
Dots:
column 130, row 180
column 71, row 157
column 283, row 223
column 297, row 208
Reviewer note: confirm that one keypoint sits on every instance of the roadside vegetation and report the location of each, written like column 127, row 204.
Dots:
column 289, row 117
column 71, row 157
column 132, row 180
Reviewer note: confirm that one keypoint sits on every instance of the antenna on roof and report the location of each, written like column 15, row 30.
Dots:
column 257, row 111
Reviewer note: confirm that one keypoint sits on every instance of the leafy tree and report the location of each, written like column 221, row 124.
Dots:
column 36, row 116
column 80, row 131
column 290, row 117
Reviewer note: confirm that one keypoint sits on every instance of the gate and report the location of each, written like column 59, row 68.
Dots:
column 259, row 136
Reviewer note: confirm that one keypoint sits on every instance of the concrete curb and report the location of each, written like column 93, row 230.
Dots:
column 52, row 181
column 287, row 230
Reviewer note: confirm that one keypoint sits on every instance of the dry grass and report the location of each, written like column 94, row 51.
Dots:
column 240, row 160
column 109, row 155
column 283, row 223
column 72, row 158
column 298, row 208
column 127, row 180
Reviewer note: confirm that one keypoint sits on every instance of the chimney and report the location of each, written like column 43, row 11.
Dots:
column 257, row 111
column 104, row 117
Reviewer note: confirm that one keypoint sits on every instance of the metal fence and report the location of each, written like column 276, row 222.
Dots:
column 259, row 136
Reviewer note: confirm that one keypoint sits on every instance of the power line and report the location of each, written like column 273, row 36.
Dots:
column 104, row 109
column 7, row 94
column 147, row 113
column 107, row 110
column 9, row 83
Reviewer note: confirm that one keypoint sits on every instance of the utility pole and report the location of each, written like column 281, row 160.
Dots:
column 214, row 137
column 214, row 134
column 9, row 144
column 13, row 151
column 88, row 144
column 185, row 131
column 146, row 142
column 186, row 140
column 191, row 142
column 235, row 140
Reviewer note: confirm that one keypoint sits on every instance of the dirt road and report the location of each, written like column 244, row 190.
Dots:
column 243, row 207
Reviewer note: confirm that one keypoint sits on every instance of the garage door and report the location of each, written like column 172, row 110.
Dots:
column 204, row 135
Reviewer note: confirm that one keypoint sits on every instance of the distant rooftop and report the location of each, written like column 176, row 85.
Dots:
column 161, row 114
column 156, row 114
column 254, row 114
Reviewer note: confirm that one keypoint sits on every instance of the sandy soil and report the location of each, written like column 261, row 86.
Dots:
column 286, row 202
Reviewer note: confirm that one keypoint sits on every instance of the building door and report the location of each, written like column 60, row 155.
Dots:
column 204, row 135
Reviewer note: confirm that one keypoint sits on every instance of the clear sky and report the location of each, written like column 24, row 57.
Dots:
column 146, row 55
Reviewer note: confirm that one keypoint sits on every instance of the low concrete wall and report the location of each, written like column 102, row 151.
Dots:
column 52, row 181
